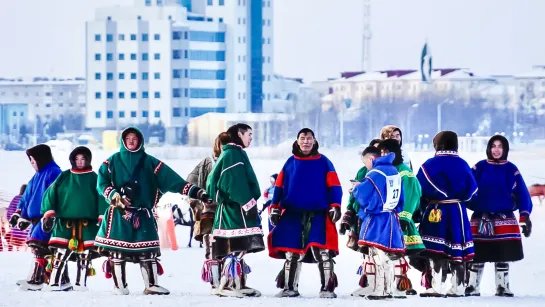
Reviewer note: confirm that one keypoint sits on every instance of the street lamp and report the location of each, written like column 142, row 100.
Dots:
column 449, row 101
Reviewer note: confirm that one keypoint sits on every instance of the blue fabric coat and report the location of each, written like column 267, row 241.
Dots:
column 378, row 211
column 447, row 186
column 31, row 202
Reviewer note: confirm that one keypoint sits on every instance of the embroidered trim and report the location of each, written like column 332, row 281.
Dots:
column 126, row 245
column 407, row 174
column 237, row 232
column 77, row 171
column 158, row 167
column 107, row 191
column 405, row 215
column 446, row 153
column 450, row 245
column 187, row 188
column 249, row 205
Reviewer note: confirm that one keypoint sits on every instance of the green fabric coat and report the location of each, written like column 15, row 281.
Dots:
column 117, row 231
column 77, row 207
column 412, row 191
column 352, row 203
column 233, row 184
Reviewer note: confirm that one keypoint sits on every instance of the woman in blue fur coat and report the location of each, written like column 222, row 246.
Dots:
column 495, row 229
column 304, row 210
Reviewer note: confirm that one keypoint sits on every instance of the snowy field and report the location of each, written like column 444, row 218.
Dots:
column 183, row 267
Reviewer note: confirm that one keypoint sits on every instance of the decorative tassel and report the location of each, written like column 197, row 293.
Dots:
column 233, row 269
column 160, row 270
column 486, row 227
column 206, row 272
column 107, row 268
column 435, row 215
column 73, row 244
column 281, row 279
column 426, row 279
column 49, row 267
column 360, row 270
column 404, row 283
column 246, row 269
column 332, row 282
column 364, row 282
column 91, row 272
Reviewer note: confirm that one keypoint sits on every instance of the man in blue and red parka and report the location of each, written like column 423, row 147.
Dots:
column 304, row 210
column 28, row 213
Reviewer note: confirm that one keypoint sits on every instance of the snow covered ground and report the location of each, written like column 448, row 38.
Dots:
column 183, row 267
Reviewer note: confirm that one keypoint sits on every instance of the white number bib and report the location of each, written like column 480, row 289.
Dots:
column 393, row 190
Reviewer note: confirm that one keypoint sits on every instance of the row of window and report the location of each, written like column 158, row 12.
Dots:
column 220, row 2
column 264, row 22
column 176, row 112
column 110, row 76
column 195, row 55
column 197, row 36
column 207, row 93
column 133, row 114
column 197, row 74
column 132, row 56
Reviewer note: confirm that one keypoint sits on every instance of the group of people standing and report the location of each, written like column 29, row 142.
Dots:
column 70, row 221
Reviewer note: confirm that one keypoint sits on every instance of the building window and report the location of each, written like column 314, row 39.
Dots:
column 48, row 105
column 176, row 92
column 209, row 2
column 121, row 95
column 159, row 2
column 157, row 37
column 185, row 54
column 221, row 20
column 145, row 114
column 97, row 114
column 133, row 76
column 145, row 94
column 121, row 114
column 110, row 95
column 148, row 2
column 222, row 2
column 207, row 93
column 176, row 54
column 208, row 74
column 157, row 94
column 176, row 35
column 97, row 56
column 133, row 95
column 97, row 37
column 133, row 56
column 145, row 37
column 157, row 56
column 144, row 56
column 121, row 37
column 97, row 76
column 204, row 36
column 206, row 55
column 176, row 112
column 186, row 73
column 157, row 114
column 98, row 95
column 144, row 76
column 121, row 56
column 268, row 40
column 109, row 76
column 157, row 76
column 109, row 37
column 176, row 73
column 110, row 114
column 109, row 56
column 133, row 37
column 121, row 76
column 133, row 114
column 186, row 92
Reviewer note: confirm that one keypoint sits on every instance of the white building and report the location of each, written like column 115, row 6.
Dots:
column 169, row 60
column 23, row 101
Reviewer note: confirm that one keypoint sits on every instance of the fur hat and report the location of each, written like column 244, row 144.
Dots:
column 445, row 141
column 504, row 144
column 81, row 150
column 41, row 154
column 387, row 131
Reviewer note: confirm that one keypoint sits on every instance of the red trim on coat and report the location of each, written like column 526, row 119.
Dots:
column 334, row 205
column 332, row 179
column 81, row 171
column 316, row 157
column 279, row 180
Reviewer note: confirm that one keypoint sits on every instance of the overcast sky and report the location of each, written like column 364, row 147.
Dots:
column 314, row 39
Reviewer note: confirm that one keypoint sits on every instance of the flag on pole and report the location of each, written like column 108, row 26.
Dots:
column 426, row 63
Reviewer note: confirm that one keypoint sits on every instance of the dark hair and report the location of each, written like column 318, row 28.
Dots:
column 504, row 145
column 41, row 154
column 296, row 150
column 445, row 141
column 391, row 145
column 81, row 150
column 222, row 139
column 371, row 150
column 374, row 141
column 233, row 133
column 22, row 189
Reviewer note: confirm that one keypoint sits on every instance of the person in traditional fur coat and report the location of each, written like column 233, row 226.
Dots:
column 28, row 213
column 71, row 210
column 236, row 230
column 132, row 182
column 304, row 223
column 381, row 198
column 412, row 191
column 447, row 186
column 495, row 229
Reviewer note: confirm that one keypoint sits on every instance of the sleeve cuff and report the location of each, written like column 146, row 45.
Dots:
column 334, row 205
column 405, row 215
column 109, row 193
column 274, row 206
column 523, row 217
column 18, row 211
column 249, row 205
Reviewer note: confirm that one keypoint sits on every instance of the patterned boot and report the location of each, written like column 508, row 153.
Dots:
column 119, row 276
column 59, row 280
column 401, row 283
column 288, row 279
column 149, row 269
column 84, row 265
column 383, row 273
column 475, row 276
column 229, row 278
column 502, row 279
column 327, row 273
column 457, row 280
column 438, row 278
column 37, row 279
column 367, row 281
